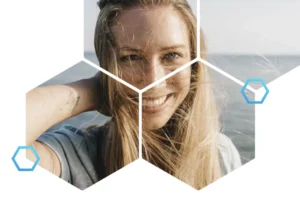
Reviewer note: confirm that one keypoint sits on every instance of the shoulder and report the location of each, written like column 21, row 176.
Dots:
column 229, row 153
column 77, row 151
column 69, row 137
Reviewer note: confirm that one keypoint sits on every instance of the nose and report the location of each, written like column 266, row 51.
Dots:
column 153, row 70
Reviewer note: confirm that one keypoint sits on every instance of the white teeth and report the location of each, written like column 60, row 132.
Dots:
column 154, row 102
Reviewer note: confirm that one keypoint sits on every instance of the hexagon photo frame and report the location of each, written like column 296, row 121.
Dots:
column 154, row 99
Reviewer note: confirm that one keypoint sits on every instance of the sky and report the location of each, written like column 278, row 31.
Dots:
column 236, row 26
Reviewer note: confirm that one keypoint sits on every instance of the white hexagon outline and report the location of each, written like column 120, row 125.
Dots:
column 141, row 91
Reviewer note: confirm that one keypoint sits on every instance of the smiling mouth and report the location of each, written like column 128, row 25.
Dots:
column 147, row 102
column 154, row 105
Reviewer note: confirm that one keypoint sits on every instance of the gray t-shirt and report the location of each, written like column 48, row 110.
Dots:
column 81, row 154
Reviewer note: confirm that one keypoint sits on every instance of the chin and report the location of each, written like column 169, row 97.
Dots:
column 156, row 117
column 157, row 112
column 154, row 124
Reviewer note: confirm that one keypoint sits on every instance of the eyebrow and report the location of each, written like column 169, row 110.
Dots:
column 180, row 46
column 131, row 49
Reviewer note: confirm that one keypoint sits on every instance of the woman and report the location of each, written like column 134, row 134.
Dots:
column 140, row 41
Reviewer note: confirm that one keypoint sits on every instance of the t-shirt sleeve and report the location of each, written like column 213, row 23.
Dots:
column 230, row 156
column 235, row 156
column 77, row 153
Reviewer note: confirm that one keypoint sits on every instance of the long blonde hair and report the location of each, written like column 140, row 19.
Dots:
column 188, row 150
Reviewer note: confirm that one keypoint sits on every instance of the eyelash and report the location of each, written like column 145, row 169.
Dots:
column 129, row 58
column 174, row 55
column 177, row 55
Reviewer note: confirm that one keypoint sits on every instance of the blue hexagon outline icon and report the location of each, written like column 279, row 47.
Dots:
column 35, row 163
column 262, row 83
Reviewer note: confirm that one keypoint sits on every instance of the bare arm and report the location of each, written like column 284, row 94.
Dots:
column 49, row 105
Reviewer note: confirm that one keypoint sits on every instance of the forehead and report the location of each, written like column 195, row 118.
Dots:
column 156, row 26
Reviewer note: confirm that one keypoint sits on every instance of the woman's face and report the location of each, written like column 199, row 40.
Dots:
column 151, row 43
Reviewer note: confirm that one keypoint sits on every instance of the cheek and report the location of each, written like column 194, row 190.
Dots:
column 127, row 75
column 182, row 80
column 133, row 76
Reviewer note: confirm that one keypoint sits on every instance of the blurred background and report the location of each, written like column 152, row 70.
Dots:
column 257, row 38
column 247, row 39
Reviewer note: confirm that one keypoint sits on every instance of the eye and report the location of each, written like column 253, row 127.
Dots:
column 171, row 56
column 132, row 57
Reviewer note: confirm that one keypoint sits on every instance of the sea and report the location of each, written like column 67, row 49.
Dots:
column 237, row 118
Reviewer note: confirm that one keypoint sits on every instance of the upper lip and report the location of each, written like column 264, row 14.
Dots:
column 151, row 96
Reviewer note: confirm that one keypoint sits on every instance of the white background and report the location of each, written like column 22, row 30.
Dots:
column 40, row 39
